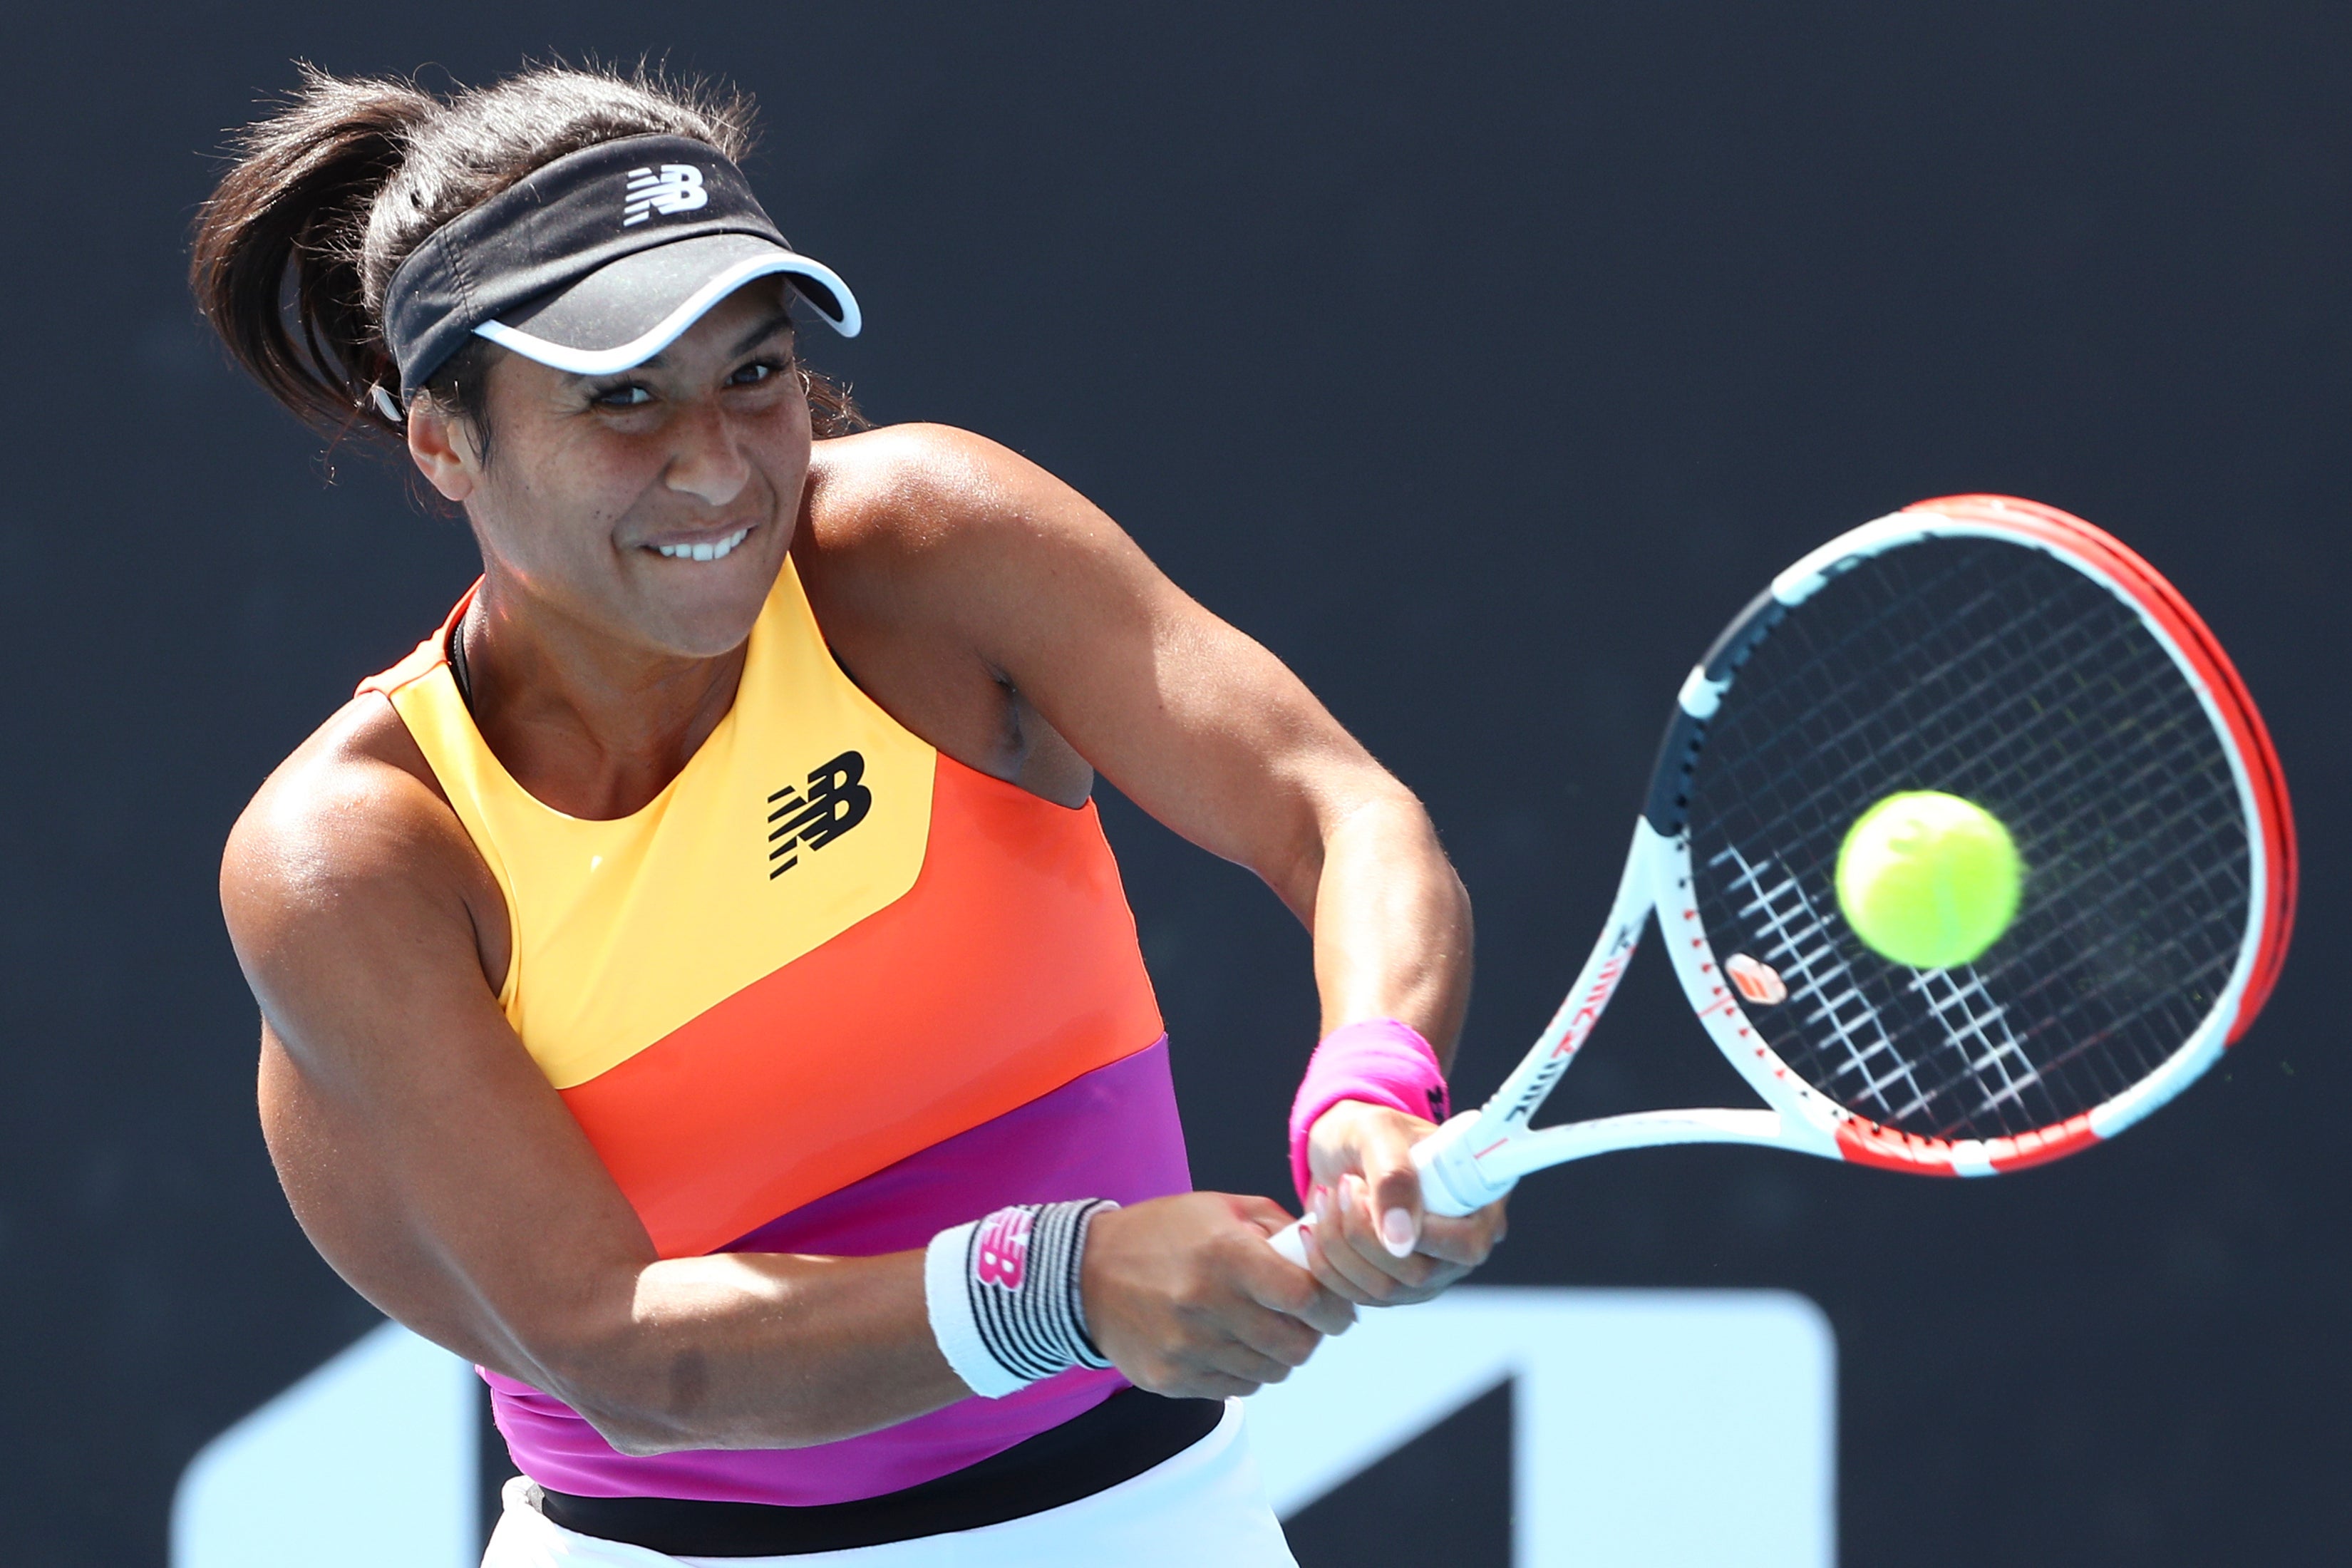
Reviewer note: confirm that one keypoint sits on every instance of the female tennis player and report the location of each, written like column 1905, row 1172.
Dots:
column 694, row 983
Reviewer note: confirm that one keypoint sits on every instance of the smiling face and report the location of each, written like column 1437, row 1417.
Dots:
column 653, row 507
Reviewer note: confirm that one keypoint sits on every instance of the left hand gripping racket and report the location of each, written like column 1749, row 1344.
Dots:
column 1995, row 649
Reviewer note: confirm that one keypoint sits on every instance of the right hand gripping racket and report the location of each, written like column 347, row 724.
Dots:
column 1991, row 648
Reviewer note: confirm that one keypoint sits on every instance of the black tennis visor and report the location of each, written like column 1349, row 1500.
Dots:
column 597, row 262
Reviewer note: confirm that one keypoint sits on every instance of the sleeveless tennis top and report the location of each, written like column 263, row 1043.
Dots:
column 831, row 992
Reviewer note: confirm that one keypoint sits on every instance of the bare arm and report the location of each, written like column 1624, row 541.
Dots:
column 1211, row 734
column 435, row 1167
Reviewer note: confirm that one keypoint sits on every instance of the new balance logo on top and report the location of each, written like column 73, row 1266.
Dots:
column 833, row 803
column 672, row 189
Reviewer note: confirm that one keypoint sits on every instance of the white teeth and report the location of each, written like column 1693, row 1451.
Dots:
column 707, row 550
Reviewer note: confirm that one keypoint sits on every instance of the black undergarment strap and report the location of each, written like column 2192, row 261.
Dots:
column 1118, row 1440
column 458, row 670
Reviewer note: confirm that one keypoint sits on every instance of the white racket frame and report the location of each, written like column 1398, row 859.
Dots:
column 1479, row 1155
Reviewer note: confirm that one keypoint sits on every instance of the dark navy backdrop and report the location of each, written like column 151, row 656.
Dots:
column 1480, row 360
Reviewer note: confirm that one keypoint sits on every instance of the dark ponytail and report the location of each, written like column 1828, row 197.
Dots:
column 328, row 196
column 298, row 202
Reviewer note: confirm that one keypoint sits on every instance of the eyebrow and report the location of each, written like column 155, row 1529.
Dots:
column 776, row 321
column 760, row 334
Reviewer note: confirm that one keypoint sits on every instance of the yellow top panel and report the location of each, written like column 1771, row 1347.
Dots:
column 806, row 810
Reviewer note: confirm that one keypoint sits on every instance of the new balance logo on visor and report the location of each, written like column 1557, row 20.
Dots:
column 672, row 189
column 833, row 803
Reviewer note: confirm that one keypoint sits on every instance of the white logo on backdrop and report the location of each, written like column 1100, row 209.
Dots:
column 1651, row 1427
column 672, row 189
column 1648, row 1427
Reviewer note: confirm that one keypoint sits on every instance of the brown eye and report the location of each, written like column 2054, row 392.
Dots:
column 630, row 395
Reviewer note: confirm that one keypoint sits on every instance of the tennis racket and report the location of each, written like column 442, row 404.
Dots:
column 1991, row 648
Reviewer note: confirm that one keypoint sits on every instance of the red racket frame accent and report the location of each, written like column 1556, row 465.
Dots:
column 1862, row 1142
column 2164, row 603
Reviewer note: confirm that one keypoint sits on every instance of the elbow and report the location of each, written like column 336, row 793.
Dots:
column 633, row 1420
column 641, row 1434
column 645, row 1400
column 627, row 1420
column 639, row 1397
column 636, row 1439
column 642, row 1400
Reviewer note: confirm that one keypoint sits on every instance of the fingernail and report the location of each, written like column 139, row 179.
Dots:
column 1396, row 1233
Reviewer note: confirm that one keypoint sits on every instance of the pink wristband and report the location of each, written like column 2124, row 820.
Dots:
column 1379, row 1062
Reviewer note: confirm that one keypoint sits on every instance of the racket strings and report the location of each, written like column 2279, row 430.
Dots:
column 2187, row 855
column 1866, row 1065
column 2158, row 831
column 1991, row 671
column 1991, row 730
column 2085, row 1040
column 1976, row 1066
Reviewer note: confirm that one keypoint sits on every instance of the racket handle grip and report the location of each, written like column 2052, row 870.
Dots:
column 1451, row 1179
column 1289, row 1243
column 1451, row 1183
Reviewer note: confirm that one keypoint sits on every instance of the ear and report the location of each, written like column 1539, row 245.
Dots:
column 443, row 449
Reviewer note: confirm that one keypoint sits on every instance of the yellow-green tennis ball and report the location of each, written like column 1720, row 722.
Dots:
column 1929, row 879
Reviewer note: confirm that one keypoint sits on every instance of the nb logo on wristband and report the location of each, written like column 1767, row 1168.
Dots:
column 1003, row 1249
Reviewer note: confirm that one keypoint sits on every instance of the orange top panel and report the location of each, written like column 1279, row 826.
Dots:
column 1008, row 970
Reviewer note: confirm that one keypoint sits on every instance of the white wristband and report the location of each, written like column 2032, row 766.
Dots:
column 1002, row 1294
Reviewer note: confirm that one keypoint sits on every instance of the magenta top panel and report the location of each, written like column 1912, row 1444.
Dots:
column 1109, row 1133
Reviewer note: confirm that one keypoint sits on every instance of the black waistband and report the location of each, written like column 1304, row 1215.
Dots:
column 1118, row 1439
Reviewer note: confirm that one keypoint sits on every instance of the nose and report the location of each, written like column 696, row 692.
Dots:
column 708, row 463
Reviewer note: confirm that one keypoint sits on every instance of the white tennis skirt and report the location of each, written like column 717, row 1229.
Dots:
column 1203, row 1506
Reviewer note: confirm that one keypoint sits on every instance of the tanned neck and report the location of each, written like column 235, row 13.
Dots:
column 589, row 727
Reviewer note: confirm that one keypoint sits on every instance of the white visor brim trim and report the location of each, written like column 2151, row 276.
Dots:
column 637, row 351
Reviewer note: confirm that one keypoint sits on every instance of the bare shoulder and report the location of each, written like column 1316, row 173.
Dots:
column 350, row 843
column 953, row 577
column 907, row 489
